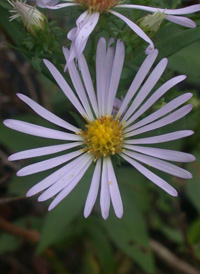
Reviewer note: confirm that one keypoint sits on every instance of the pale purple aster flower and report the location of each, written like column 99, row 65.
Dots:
column 105, row 135
column 87, row 21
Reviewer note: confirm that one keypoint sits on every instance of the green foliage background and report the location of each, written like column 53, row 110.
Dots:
column 69, row 243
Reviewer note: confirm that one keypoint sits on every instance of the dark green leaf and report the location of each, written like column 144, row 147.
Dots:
column 130, row 233
column 57, row 221
column 193, row 186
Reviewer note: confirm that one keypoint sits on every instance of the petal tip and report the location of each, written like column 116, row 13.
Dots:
column 11, row 158
column 19, row 173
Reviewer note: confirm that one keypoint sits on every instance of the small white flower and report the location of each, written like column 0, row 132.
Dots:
column 32, row 18
column 105, row 135
column 88, row 19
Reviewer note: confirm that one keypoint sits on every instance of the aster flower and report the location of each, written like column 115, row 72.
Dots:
column 32, row 18
column 106, row 135
column 87, row 21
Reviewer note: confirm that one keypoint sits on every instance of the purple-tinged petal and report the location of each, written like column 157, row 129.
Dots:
column 94, row 188
column 46, row 114
column 134, row 27
column 42, row 151
column 105, row 193
column 40, row 131
column 160, row 165
column 47, row 164
column 151, row 176
column 168, row 137
column 69, row 188
column 114, row 190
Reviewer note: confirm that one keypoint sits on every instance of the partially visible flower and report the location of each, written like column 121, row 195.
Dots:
column 31, row 17
column 87, row 21
column 44, row 3
column 105, row 135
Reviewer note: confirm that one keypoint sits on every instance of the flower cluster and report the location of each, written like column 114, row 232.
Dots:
column 114, row 128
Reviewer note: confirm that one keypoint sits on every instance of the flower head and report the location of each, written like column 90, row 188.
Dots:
column 32, row 18
column 87, row 21
column 105, row 134
column 97, row 5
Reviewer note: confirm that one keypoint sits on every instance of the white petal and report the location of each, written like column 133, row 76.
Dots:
column 169, row 107
column 114, row 190
column 161, row 138
column 85, row 28
column 44, row 113
column 186, row 10
column 101, row 73
column 160, row 165
column 72, row 34
column 81, row 19
column 134, row 27
column 176, row 115
column 78, row 85
column 115, row 75
column 88, row 83
column 105, row 193
column 109, row 64
column 65, row 180
column 40, row 131
column 139, row 78
column 93, row 191
column 65, row 87
column 157, row 95
column 43, row 3
column 183, row 21
column 61, row 6
column 151, row 176
column 170, row 155
column 146, row 89
column 41, row 151
column 52, row 178
column 69, row 188
column 47, row 164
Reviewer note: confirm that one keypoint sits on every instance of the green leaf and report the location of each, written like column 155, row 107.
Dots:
column 13, row 28
column 130, row 233
column 193, row 186
column 57, row 221
column 173, row 38
column 186, row 62
column 174, row 235
column 137, row 184
column 102, row 246
column 169, row 40
column 194, row 232
column 8, row 243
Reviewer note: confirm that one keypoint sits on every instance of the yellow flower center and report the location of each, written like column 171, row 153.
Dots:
column 103, row 136
column 98, row 5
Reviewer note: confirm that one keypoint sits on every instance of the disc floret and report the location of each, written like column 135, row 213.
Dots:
column 103, row 136
column 98, row 5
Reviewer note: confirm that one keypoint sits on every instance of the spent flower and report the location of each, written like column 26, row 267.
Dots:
column 106, row 134
column 31, row 17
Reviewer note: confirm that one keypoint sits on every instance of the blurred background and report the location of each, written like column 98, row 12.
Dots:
column 158, row 233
